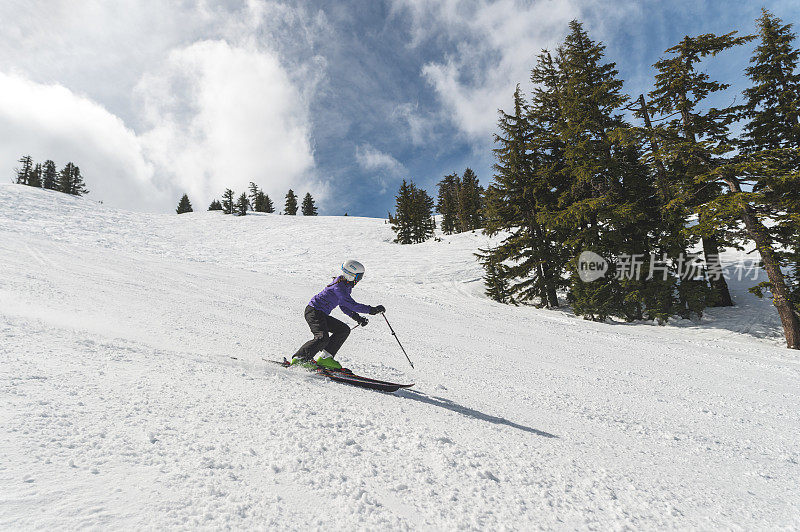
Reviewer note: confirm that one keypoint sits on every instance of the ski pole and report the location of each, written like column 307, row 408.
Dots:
column 398, row 339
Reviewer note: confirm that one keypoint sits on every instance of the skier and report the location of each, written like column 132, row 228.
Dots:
column 330, row 333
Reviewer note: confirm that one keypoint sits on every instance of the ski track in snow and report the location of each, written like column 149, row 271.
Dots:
column 122, row 407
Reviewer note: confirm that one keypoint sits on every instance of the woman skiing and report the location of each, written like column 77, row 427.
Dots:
column 330, row 333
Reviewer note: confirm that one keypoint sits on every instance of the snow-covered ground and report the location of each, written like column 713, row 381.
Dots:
column 122, row 407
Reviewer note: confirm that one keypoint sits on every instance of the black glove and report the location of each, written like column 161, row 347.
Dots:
column 361, row 320
column 377, row 310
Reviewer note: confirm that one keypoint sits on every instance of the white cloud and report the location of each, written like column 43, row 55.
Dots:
column 95, row 47
column 52, row 122
column 496, row 43
column 370, row 158
column 217, row 116
column 216, row 95
column 221, row 116
column 421, row 127
column 382, row 164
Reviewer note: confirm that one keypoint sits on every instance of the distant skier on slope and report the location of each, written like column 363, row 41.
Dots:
column 330, row 333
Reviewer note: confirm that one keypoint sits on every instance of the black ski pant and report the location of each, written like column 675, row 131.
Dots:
column 329, row 334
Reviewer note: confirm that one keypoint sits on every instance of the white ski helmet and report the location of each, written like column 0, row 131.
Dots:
column 352, row 270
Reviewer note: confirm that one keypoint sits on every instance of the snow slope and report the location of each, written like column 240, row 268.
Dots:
column 121, row 406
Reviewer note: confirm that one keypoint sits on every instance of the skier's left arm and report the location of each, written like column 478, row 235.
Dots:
column 351, row 307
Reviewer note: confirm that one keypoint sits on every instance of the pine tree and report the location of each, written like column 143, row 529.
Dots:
column 496, row 279
column 670, row 236
column 290, row 207
column 262, row 203
column 773, row 102
column 35, row 178
column 78, row 186
column 215, row 205
column 511, row 206
column 70, row 181
column 696, row 141
column 24, row 172
column 773, row 134
column 413, row 220
column 184, row 205
column 772, row 140
column 253, row 194
column 402, row 222
column 228, row 201
column 64, row 182
column 493, row 209
column 549, row 179
column 422, row 211
column 460, row 202
column 309, row 208
column 763, row 186
column 242, row 204
column 49, row 175
column 605, row 205
column 470, row 202
column 269, row 207
column 447, row 203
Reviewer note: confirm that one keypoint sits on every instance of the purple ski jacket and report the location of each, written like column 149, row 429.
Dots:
column 338, row 294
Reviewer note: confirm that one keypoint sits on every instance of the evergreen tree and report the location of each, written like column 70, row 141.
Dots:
column 70, row 181
column 259, row 201
column 49, row 175
column 413, row 220
column 605, row 205
column 493, row 209
column 184, row 205
column 670, row 237
column 762, row 182
column 35, row 179
column 242, row 204
column 78, row 186
column 64, row 181
column 24, row 172
column 263, row 203
column 309, row 208
column 460, row 202
column 512, row 206
column 215, row 205
column 253, row 194
column 228, row 201
column 424, row 222
column 568, row 180
column 447, row 203
column 470, row 202
column 402, row 221
column 496, row 279
column 290, row 207
column 773, row 102
column 549, row 179
column 772, row 141
column 696, row 141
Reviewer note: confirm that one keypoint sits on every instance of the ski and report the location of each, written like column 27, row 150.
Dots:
column 363, row 382
column 346, row 376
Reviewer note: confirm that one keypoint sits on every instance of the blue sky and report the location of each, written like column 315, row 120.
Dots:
column 343, row 99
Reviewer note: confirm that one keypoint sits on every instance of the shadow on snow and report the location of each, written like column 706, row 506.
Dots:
column 447, row 404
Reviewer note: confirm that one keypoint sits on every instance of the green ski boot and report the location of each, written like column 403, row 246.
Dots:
column 326, row 361
column 303, row 363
